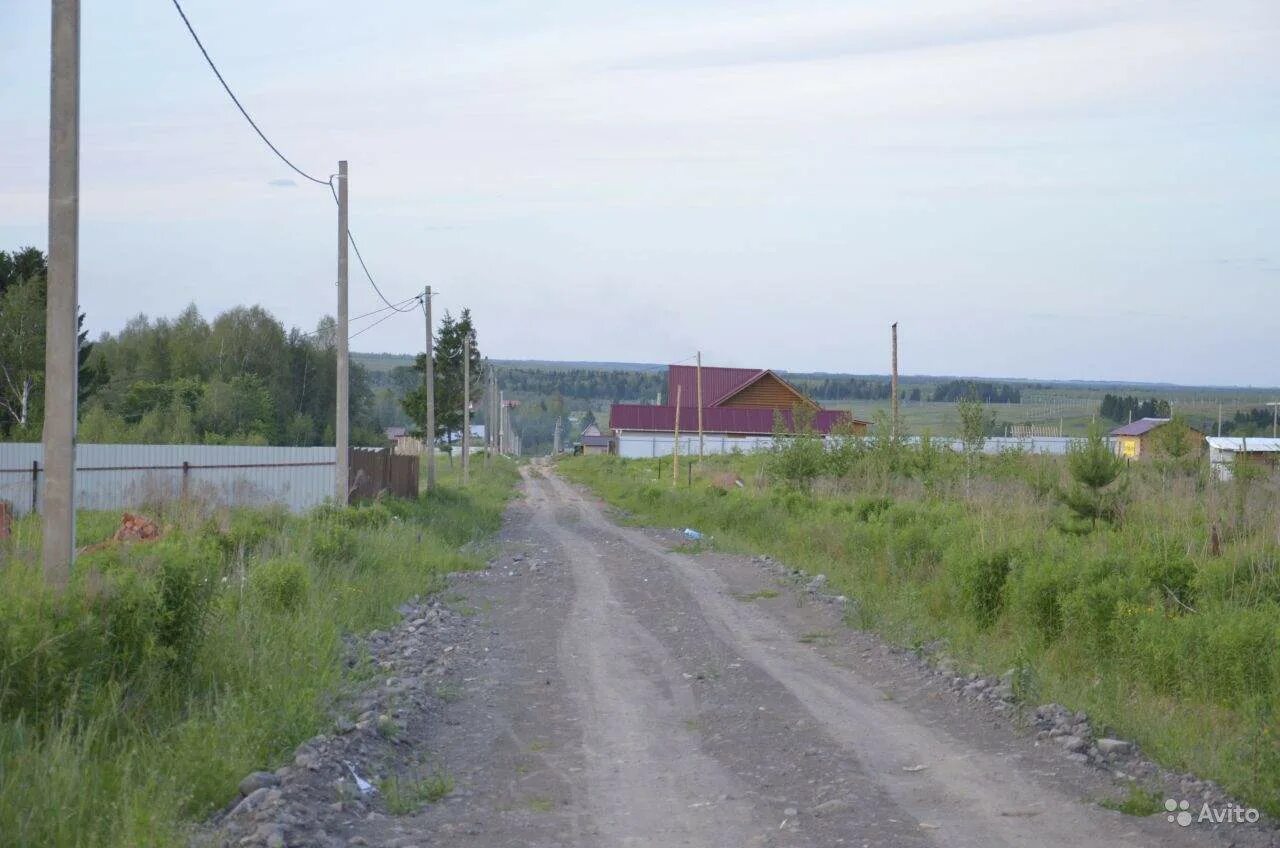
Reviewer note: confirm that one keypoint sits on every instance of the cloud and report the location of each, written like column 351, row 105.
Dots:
column 283, row 183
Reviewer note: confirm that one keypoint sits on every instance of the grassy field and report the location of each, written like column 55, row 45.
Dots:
column 1139, row 623
column 132, row 704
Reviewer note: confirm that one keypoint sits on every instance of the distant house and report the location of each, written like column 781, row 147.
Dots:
column 1136, row 439
column 1226, row 451
column 741, row 407
column 593, row 441
column 403, row 444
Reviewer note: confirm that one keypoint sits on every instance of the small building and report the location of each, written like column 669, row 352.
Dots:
column 1138, row 439
column 402, row 443
column 1226, row 451
column 741, row 410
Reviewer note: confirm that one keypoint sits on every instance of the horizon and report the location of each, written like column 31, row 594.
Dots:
column 587, row 363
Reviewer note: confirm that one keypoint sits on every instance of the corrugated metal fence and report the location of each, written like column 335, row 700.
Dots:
column 124, row 476
column 637, row 445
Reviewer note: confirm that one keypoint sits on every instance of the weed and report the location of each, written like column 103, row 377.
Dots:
column 405, row 795
column 540, row 804
column 757, row 595
column 1139, row 802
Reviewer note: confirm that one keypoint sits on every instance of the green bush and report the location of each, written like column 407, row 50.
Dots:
column 281, row 585
column 1034, row 594
column 979, row 578
column 332, row 543
column 871, row 508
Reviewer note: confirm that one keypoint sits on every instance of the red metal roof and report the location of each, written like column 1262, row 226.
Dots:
column 716, row 383
column 1139, row 427
column 754, row 421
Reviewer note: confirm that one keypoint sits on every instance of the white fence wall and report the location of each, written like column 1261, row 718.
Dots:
column 126, row 476
column 640, row 445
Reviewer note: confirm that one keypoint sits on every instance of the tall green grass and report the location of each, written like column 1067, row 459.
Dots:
column 132, row 704
column 1137, row 623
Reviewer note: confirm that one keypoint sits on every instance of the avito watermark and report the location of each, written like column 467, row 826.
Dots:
column 1180, row 812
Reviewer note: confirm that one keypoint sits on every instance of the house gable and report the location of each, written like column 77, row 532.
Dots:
column 769, row 390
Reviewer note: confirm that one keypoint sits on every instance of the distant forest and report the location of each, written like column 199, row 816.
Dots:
column 1128, row 408
column 584, row 383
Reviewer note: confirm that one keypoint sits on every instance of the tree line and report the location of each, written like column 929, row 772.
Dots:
column 1126, row 408
column 954, row 391
column 241, row 378
column 584, row 383
column 22, row 337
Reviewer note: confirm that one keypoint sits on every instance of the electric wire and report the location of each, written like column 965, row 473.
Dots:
column 329, row 182
column 359, row 258
column 374, row 324
column 239, row 105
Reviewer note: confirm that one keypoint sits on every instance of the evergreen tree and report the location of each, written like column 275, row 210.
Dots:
column 448, row 377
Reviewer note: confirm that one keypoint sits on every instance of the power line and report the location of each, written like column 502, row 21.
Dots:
column 374, row 324
column 329, row 182
column 378, row 311
column 356, row 249
column 236, row 100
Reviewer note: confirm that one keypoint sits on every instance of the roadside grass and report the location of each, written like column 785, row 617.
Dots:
column 132, row 703
column 759, row 594
column 405, row 795
column 1138, row 624
column 1138, row 802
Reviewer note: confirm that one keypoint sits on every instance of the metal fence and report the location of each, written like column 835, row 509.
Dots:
column 127, row 476
column 637, row 445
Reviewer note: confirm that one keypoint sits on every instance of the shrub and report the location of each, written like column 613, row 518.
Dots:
column 280, row 585
column 979, row 579
column 871, row 508
column 332, row 543
column 1035, row 591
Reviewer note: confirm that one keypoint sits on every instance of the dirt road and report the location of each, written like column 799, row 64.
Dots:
column 614, row 692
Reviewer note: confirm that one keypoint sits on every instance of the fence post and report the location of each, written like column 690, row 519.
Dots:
column 659, row 461
column 6, row 520
column 690, row 467
column 35, row 483
column 186, row 475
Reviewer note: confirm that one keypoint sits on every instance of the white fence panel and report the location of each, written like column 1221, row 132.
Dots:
column 639, row 445
column 126, row 476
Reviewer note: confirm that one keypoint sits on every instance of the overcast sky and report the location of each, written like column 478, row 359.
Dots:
column 1065, row 188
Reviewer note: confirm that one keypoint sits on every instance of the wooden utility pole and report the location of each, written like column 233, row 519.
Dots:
column 62, row 347
column 893, row 385
column 701, row 447
column 675, row 445
column 342, row 426
column 466, row 408
column 429, row 379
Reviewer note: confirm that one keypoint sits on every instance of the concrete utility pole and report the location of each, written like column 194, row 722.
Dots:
column 555, row 440
column 502, row 422
column 342, row 427
column 488, row 407
column 893, row 385
column 466, row 408
column 1275, row 416
column 701, row 446
column 429, row 380
column 1219, row 419
column 62, row 343
column 675, row 444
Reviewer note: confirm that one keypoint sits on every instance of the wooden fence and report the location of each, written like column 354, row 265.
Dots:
column 377, row 471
